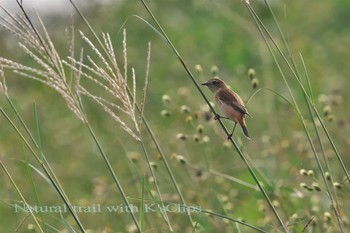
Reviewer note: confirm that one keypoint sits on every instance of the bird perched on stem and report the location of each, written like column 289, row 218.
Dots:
column 230, row 104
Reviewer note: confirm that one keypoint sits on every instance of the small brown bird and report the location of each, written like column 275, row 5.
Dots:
column 230, row 104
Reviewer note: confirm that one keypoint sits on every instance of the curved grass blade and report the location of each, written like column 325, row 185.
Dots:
column 249, row 167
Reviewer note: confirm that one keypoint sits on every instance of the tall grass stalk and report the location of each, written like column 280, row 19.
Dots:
column 113, row 81
column 233, row 220
column 164, row 215
column 331, row 191
column 20, row 194
column 34, row 188
column 167, row 166
column 140, row 111
column 41, row 158
column 48, row 172
column 308, row 97
column 258, row 21
column 213, row 214
column 242, row 156
column 53, row 75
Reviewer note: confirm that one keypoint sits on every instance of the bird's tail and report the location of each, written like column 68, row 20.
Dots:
column 245, row 130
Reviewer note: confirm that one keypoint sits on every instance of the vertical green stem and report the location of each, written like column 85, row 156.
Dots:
column 220, row 122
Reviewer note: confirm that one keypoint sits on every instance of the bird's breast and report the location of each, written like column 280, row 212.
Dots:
column 229, row 111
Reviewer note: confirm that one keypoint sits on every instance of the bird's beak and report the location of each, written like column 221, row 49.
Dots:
column 205, row 84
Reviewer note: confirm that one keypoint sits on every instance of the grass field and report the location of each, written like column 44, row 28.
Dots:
column 114, row 133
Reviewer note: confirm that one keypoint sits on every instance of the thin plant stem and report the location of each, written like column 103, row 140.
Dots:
column 148, row 128
column 77, row 104
column 308, row 100
column 195, row 209
column 20, row 194
column 114, row 176
column 42, row 158
column 46, row 170
column 259, row 22
column 34, row 188
column 250, row 169
column 166, row 164
column 164, row 215
column 333, row 198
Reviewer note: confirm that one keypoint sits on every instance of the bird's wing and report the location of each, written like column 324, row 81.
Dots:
column 232, row 99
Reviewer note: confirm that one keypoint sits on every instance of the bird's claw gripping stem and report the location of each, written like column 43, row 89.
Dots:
column 217, row 117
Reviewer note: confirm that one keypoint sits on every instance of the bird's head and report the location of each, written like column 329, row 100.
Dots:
column 214, row 84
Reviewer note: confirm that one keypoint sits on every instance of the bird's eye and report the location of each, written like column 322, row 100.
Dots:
column 215, row 82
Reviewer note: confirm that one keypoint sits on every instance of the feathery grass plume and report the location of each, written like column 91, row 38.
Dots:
column 39, row 47
column 2, row 90
column 109, row 77
column 3, row 87
column 143, row 100
column 51, row 72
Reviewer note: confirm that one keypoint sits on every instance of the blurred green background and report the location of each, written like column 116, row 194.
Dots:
column 208, row 33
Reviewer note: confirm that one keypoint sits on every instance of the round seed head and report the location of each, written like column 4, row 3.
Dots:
column 327, row 217
column 188, row 119
column 31, row 227
column 185, row 109
column 276, row 203
column 214, row 70
column 198, row 68
column 330, row 118
column 196, row 137
column 181, row 159
column 206, row 139
column 322, row 98
column 165, row 113
column 327, row 110
column 154, row 165
column 303, row 172
column 134, row 156
column 200, row 129
column 181, row 136
column 255, row 83
column 305, row 186
column 251, row 73
column 166, row 99
column 316, row 186
column 337, row 185
column 310, row 173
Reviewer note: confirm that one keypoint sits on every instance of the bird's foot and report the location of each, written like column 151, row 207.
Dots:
column 217, row 117
column 229, row 136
